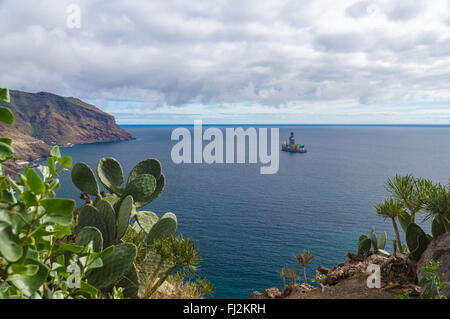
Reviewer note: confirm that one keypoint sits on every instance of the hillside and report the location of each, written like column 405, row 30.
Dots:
column 44, row 119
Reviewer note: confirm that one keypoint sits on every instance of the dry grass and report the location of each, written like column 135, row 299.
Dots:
column 179, row 290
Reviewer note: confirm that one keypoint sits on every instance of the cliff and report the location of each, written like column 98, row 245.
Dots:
column 44, row 119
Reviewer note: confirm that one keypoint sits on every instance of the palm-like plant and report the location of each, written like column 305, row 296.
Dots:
column 293, row 275
column 304, row 259
column 437, row 205
column 283, row 274
column 409, row 191
column 173, row 253
column 392, row 208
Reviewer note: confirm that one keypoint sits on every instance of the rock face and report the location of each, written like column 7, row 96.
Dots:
column 438, row 250
column 44, row 119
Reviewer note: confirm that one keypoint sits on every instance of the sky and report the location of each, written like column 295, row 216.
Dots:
column 236, row 61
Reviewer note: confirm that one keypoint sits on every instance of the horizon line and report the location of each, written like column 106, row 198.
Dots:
column 278, row 124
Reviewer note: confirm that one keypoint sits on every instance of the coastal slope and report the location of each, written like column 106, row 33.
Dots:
column 45, row 119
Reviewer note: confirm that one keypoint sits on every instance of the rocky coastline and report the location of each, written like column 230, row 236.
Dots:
column 399, row 276
column 43, row 120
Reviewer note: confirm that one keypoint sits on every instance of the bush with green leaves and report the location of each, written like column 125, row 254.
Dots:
column 107, row 218
column 146, row 253
column 411, row 197
column 431, row 283
column 35, row 259
column 164, row 255
column 49, row 249
column 318, row 276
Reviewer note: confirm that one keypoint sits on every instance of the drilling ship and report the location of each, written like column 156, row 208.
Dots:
column 290, row 146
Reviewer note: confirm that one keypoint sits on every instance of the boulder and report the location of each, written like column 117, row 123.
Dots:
column 438, row 250
column 272, row 293
column 296, row 290
column 269, row 293
column 323, row 270
column 256, row 295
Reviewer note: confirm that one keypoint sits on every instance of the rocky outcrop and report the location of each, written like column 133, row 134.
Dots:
column 44, row 119
column 438, row 250
column 269, row 293
column 349, row 281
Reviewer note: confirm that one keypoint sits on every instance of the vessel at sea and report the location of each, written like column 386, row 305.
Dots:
column 290, row 146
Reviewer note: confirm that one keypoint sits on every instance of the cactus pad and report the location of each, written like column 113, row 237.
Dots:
column 373, row 238
column 382, row 241
column 364, row 244
column 165, row 227
column 149, row 166
column 84, row 179
column 417, row 240
column 123, row 216
column 112, row 199
column 110, row 174
column 88, row 234
column 130, row 283
column 90, row 216
column 161, row 182
column 141, row 188
column 108, row 216
column 115, row 266
column 437, row 228
column 146, row 220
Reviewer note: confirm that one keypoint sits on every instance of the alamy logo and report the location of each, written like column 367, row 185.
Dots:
column 74, row 280
column 374, row 280
column 74, row 16
column 235, row 142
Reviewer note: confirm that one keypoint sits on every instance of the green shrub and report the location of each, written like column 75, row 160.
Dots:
column 46, row 252
column 418, row 196
column 432, row 284
column 36, row 260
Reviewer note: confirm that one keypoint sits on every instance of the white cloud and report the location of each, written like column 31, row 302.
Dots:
column 277, row 55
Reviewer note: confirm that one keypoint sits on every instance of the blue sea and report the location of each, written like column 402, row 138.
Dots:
column 248, row 226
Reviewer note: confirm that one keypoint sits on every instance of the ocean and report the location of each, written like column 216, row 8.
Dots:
column 248, row 226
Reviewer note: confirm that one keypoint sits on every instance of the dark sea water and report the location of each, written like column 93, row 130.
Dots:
column 248, row 226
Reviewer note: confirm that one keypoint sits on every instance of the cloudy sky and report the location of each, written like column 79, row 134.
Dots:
column 236, row 61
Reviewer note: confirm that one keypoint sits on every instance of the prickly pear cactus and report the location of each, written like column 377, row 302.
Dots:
column 123, row 216
column 130, row 284
column 115, row 266
column 108, row 216
column 84, row 179
column 437, row 228
column 113, row 199
column 160, row 183
column 102, row 217
column 373, row 238
column 149, row 166
column 382, row 241
column 364, row 244
column 417, row 240
column 105, row 222
column 146, row 220
column 141, row 188
column 90, row 216
column 110, row 173
column 88, row 234
column 154, row 227
column 152, row 167
column 165, row 227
